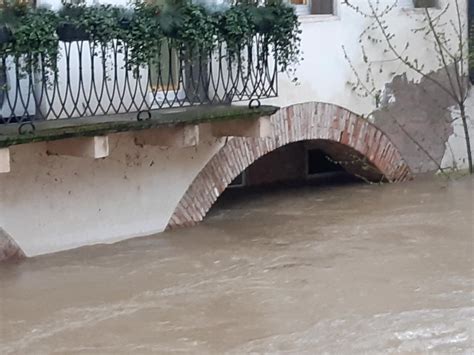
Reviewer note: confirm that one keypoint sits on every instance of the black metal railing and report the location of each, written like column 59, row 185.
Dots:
column 93, row 79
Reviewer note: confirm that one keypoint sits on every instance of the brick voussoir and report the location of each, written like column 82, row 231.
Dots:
column 292, row 124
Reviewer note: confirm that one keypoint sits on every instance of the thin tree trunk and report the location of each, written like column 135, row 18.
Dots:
column 465, row 124
column 3, row 87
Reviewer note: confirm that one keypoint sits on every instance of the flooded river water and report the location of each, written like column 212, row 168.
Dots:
column 334, row 269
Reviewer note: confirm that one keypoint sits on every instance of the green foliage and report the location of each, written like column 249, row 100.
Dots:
column 236, row 28
column 141, row 32
column 12, row 11
column 37, row 38
column 188, row 25
column 143, row 27
column 284, row 33
column 34, row 42
column 276, row 23
column 99, row 23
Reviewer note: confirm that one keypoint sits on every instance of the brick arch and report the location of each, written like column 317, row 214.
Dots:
column 301, row 122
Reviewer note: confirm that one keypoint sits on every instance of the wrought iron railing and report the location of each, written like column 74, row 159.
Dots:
column 96, row 79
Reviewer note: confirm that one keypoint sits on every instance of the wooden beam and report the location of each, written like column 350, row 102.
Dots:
column 178, row 136
column 254, row 128
column 93, row 147
column 4, row 160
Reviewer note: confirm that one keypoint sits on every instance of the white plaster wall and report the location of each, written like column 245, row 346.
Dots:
column 51, row 203
column 324, row 73
column 23, row 91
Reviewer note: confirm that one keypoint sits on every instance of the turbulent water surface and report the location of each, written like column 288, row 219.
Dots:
column 334, row 269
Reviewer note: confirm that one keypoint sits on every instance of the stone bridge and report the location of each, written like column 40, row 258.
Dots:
column 342, row 134
column 125, row 179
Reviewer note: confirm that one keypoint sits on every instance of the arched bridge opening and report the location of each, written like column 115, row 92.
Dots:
column 308, row 161
column 328, row 134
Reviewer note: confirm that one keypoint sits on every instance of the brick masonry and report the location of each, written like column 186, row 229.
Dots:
column 308, row 121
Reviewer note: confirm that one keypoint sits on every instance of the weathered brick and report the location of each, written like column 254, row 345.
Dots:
column 291, row 124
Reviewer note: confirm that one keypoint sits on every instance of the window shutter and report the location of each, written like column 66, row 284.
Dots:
column 323, row 7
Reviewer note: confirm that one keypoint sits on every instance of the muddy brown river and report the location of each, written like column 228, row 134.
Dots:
column 318, row 269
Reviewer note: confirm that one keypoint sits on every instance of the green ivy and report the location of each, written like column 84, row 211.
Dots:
column 236, row 28
column 188, row 25
column 141, row 34
column 284, row 34
column 34, row 44
column 276, row 23
column 100, row 22
column 142, row 28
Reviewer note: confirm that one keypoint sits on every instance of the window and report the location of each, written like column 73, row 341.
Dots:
column 319, row 162
column 314, row 7
column 164, row 71
column 301, row 6
column 239, row 181
column 420, row 4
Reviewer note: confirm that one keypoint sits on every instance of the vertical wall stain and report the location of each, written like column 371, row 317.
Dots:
column 417, row 112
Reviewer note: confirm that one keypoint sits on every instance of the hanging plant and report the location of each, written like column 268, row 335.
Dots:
column 11, row 14
column 236, row 28
column 141, row 34
column 188, row 25
column 98, row 23
column 6, row 35
column 29, row 36
column 278, row 23
column 35, row 38
column 285, row 35
column 69, row 28
column 275, row 23
column 189, row 28
column 263, row 18
column 124, row 18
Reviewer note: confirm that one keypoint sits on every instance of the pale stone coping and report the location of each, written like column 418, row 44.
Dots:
column 4, row 160
column 176, row 136
column 85, row 147
column 51, row 130
column 318, row 18
column 258, row 128
column 179, row 137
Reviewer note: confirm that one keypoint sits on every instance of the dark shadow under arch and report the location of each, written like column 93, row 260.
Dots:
column 329, row 126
